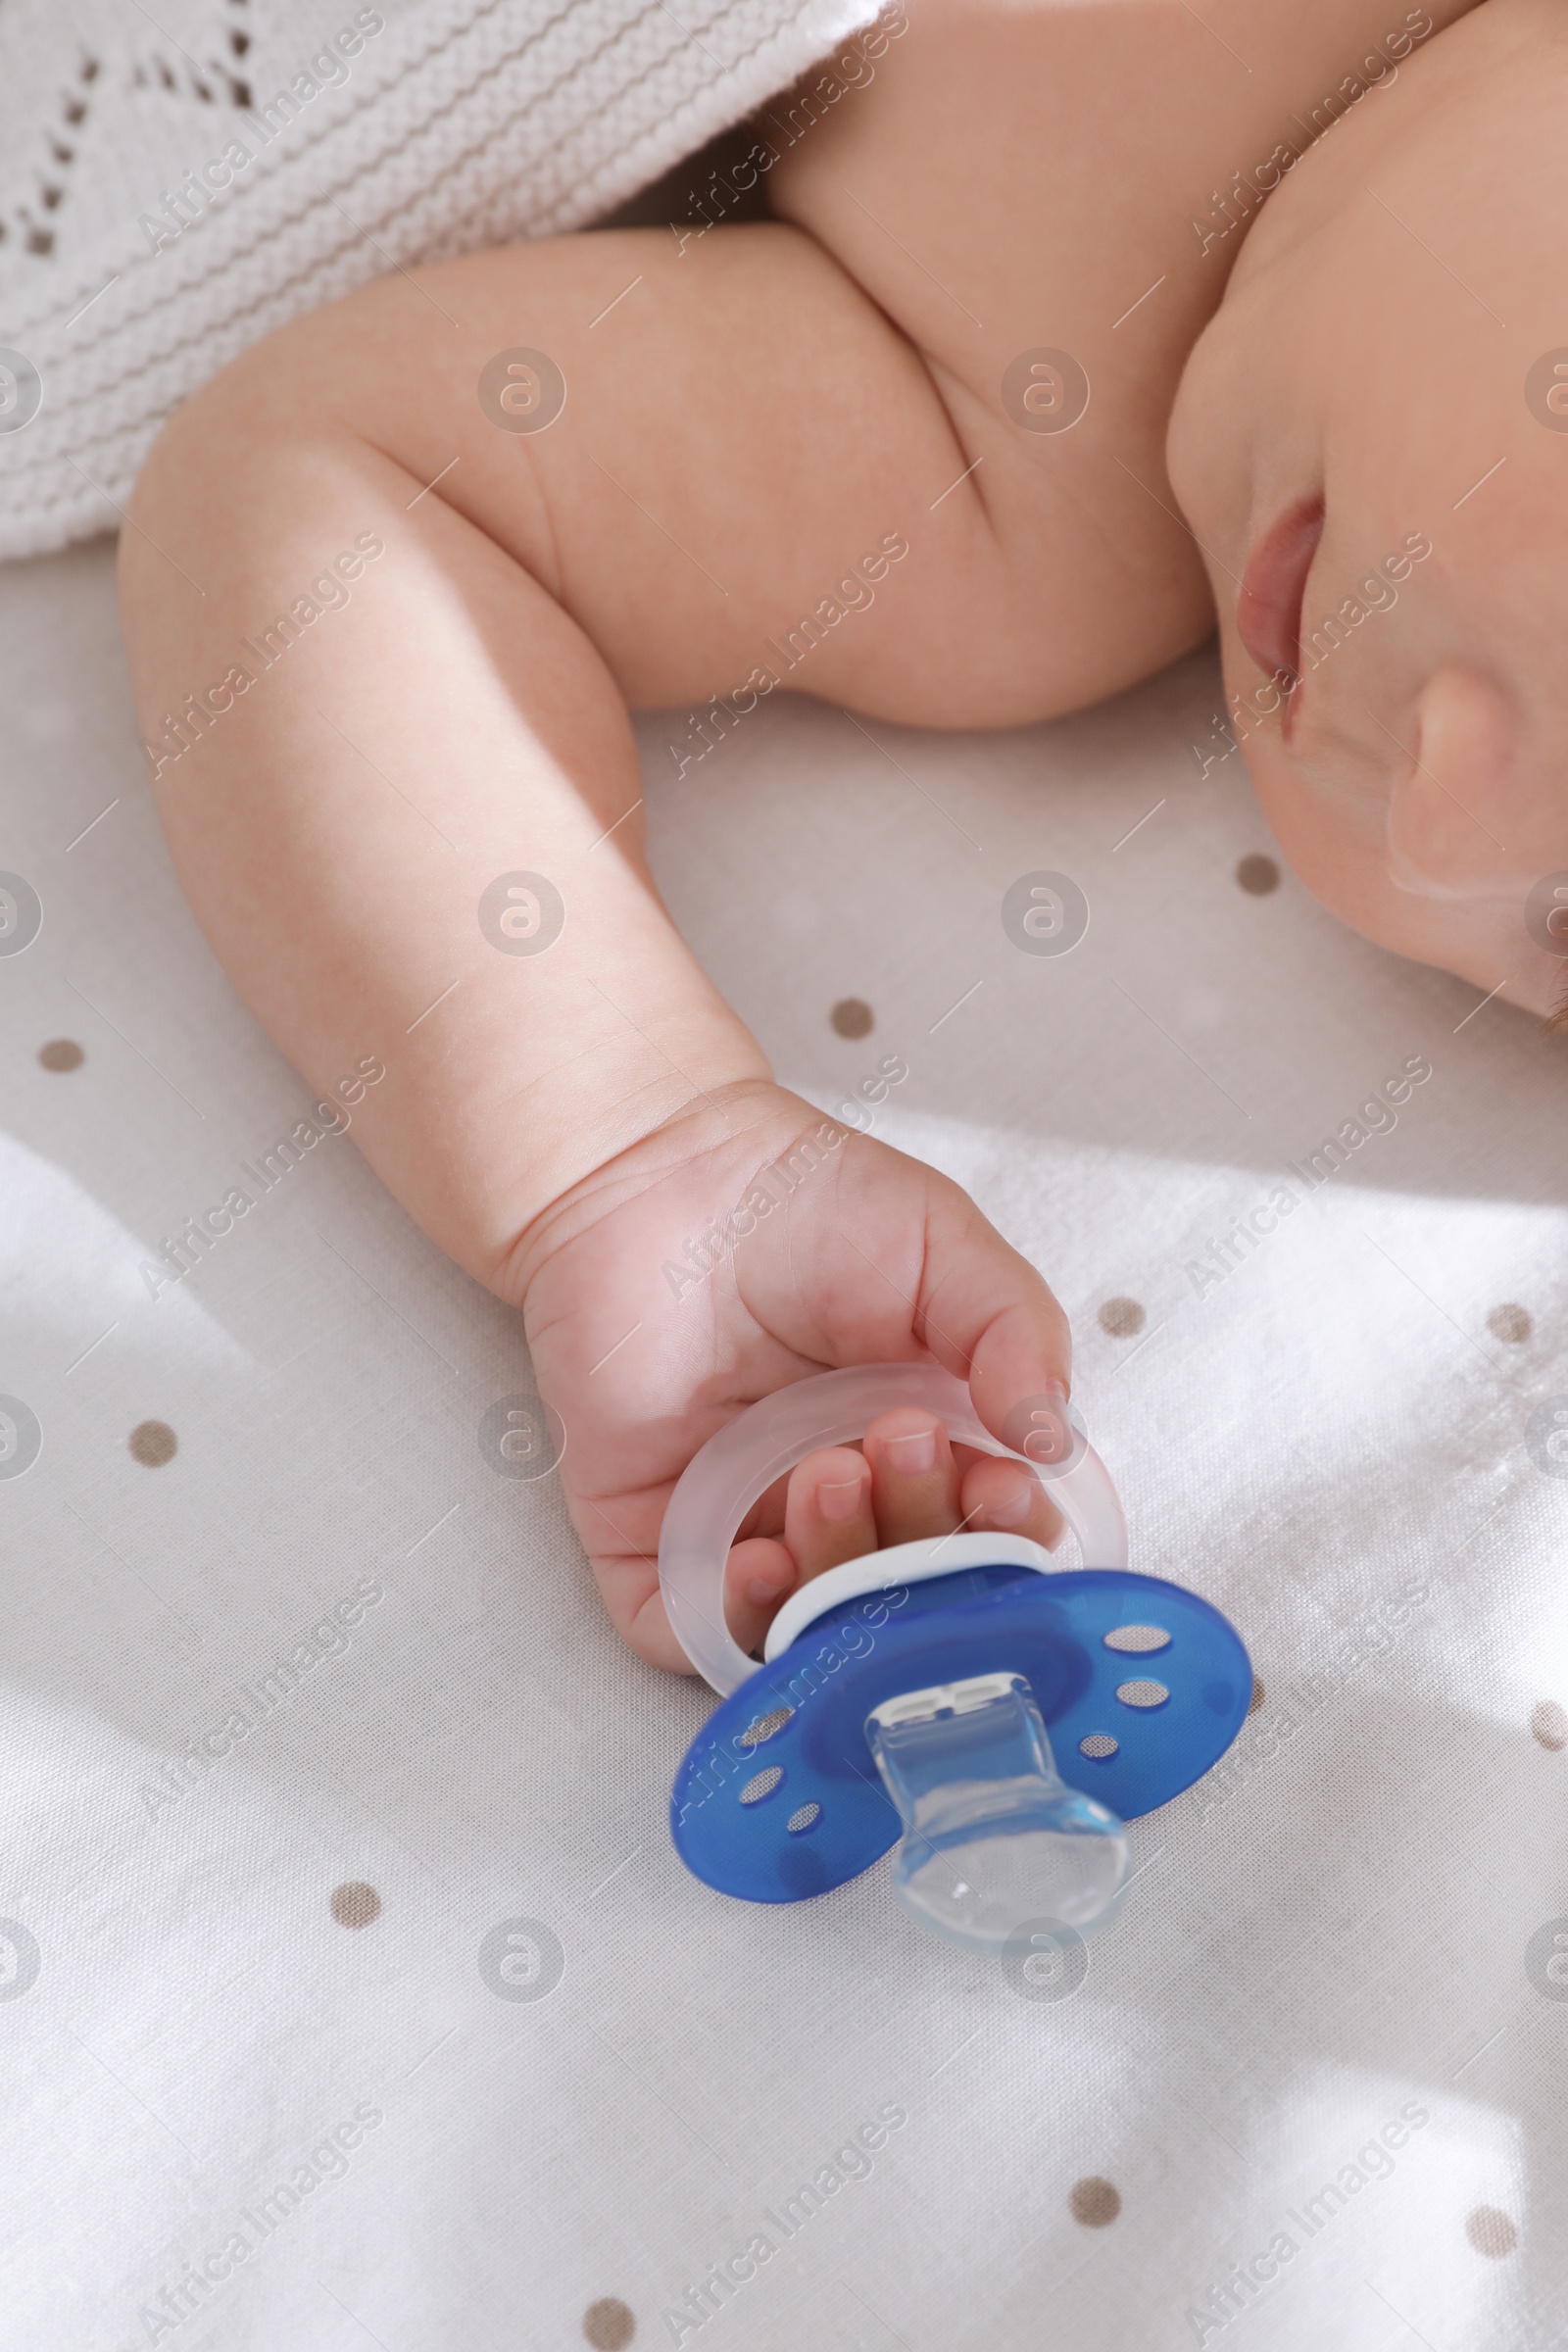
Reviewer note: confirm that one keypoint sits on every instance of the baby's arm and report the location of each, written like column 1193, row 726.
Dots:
column 741, row 428
column 737, row 433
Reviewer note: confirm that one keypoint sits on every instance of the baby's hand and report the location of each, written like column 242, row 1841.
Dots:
column 866, row 1256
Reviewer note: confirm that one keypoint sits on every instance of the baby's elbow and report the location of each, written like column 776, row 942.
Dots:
column 217, row 446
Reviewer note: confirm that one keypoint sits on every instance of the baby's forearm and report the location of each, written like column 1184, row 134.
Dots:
column 355, row 769
column 345, row 811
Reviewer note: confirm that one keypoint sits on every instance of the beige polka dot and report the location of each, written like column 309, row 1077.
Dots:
column 1258, row 876
column 1121, row 1317
column 152, row 1443
column 355, row 1904
column 1510, row 1322
column 1490, row 2231
column 1257, row 1700
column 1094, row 2202
column 609, row 2323
column 61, row 1053
column 851, row 1017
column 1549, row 1724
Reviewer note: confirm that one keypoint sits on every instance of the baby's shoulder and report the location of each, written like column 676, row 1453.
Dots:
column 1047, row 202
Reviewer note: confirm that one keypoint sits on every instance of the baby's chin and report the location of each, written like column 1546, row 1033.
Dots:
column 1338, row 851
column 1483, row 942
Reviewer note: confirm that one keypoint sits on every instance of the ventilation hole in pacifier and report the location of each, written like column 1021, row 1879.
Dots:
column 1138, row 1638
column 804, row 1818
column 1141, row 1694
column 762, row 1726
column 762, row 1783
column 1100, row 1744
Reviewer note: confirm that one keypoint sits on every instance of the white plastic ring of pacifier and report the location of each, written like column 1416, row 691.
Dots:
column 835, row 1408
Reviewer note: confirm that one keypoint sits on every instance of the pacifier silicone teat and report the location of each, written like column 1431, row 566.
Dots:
column 992, row 1834
column 911, row 1690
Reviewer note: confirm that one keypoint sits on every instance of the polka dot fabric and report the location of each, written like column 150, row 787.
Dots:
column 342, row 1947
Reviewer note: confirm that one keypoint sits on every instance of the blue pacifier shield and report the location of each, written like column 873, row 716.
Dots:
column 1141, row 1683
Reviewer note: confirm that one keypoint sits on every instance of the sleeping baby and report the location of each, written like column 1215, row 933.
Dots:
column 1077, row 325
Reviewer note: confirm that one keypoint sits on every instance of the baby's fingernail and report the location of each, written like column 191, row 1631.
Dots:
column 913, row 1454
column 839, row 1499
column 1038, row 1426
column 765, row 1589
column 1011, row 1505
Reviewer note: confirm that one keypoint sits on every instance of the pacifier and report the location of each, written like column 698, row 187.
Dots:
column 1000, row 1719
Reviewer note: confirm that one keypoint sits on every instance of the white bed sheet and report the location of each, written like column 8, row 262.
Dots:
column 1350, row 1922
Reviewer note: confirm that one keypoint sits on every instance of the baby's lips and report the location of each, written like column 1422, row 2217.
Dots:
column 1268, row 610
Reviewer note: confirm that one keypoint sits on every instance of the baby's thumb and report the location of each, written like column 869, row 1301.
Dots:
column 987, row 1315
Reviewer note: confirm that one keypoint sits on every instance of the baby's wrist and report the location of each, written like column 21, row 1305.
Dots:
column 748, row 1112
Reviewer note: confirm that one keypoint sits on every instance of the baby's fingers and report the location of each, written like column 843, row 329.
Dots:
column 1004, row 1497
column 758, row 1579
column 828, row 1517
column 986, row 1314
column 915, row 1480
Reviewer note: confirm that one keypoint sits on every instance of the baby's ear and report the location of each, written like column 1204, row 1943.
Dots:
column 1465, row 820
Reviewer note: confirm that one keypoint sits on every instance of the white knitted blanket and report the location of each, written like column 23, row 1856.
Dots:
column 172, row 190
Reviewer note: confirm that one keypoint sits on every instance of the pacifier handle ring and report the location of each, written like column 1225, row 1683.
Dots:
column 719, row 1486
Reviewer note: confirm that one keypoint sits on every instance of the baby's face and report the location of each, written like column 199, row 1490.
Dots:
column 1371, row 446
